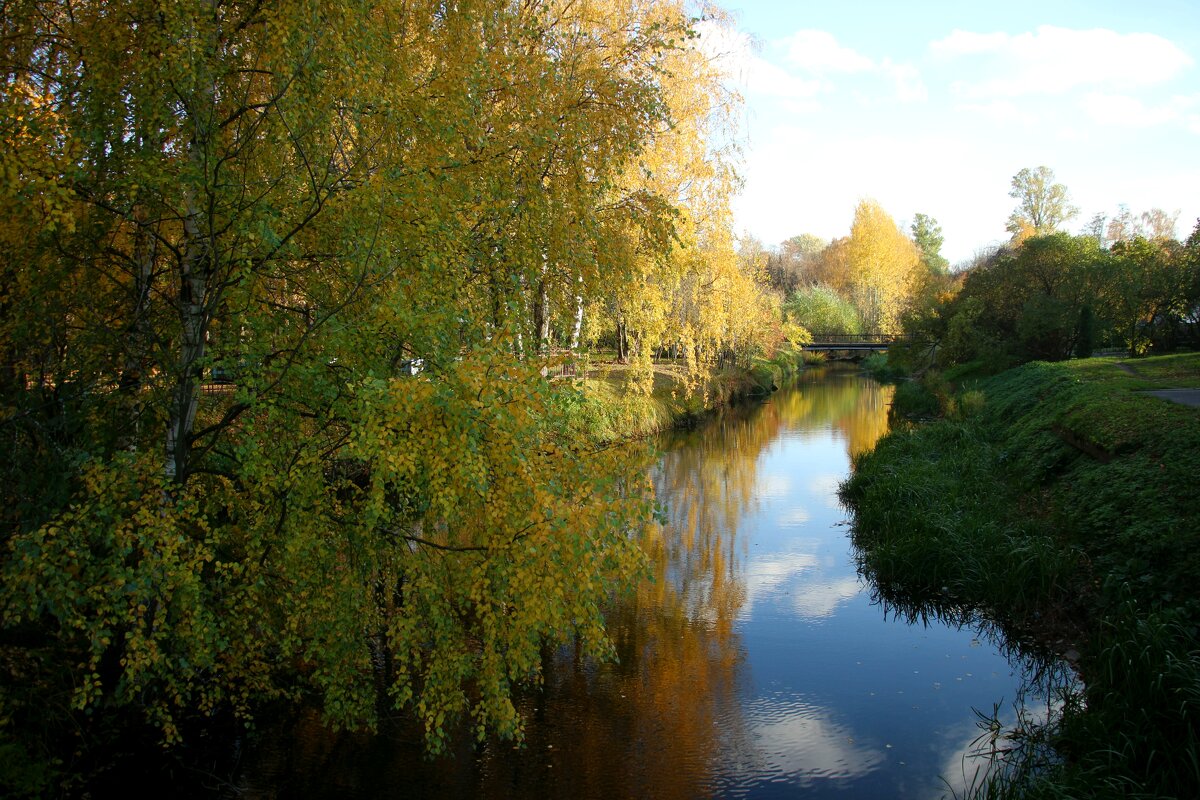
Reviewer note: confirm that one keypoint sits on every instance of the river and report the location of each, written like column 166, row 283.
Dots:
column 756, row 663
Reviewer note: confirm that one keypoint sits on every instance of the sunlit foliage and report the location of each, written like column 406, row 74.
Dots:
column 883, row 267
column 1042, row 204
column 279, row 280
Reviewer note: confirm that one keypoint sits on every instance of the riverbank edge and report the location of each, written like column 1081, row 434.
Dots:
column 609, row 412
column 1059, row 501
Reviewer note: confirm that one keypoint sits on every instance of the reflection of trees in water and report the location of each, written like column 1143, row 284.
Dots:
column 678, row 648
column 841, row 401
column 656, row 722
column 705, row 483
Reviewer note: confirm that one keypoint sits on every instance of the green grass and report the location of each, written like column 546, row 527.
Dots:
column 1065, row 507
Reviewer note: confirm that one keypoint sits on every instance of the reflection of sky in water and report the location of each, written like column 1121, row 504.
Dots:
column 820, row 599
column 799, row 743
column 793, row 517
column 838, row 700
column 753, row 665
column 825, row 487
column 775, row 486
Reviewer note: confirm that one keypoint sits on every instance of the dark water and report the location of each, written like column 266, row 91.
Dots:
column 755, row 664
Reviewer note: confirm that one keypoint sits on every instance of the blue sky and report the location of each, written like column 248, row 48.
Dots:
column 932, row 107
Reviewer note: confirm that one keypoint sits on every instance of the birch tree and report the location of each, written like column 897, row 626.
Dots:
column 883, row 266
column 310, row 198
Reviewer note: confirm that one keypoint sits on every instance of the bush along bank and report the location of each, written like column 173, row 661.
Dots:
column 606, row 408
column 1061, row 501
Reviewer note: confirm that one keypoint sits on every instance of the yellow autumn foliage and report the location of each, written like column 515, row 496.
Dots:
column 278, row 279
column 884, row 268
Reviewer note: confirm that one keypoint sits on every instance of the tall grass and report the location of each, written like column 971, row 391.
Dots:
column 932, row 517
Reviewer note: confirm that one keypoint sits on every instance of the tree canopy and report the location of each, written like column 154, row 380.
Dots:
column 1042, row 204
column 883, row 267
column 280, row 285
column 928, row 236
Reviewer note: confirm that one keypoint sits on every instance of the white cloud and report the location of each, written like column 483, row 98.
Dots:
column 953, row 156
column 766, row 78
column 794, row 517
column 773, row 486
column 826, row 486
column 803, row 742
column 733, row 53
column 906, row 80
column 819, row 52
column 723, row 44
column 806, row 179
column 1130, row 112
column 964, row 43
column 819, row 600
column 1125, row 111
column 1053, row 60
column 1005, row 112
column 969, row 762
column 767, row 578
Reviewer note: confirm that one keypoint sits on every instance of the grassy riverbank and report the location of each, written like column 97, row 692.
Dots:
column 1062, row 501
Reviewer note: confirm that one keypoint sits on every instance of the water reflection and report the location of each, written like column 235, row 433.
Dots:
column 754, row 663
column 1010, row 732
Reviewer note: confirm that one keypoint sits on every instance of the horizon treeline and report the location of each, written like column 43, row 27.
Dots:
column 1124, row 282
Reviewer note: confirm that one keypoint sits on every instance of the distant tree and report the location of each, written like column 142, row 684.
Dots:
column 1148, row 288
column 790, row 265
column 831, row 266
column 1096, row 228
column 884, row 267
column 752, row 252
column 820, row 309
column 1124, row 226
column 1042, row 204
column 806, row 244
column 1192, row 259
column 1158, row 224
column 1154, row 224
column 1028, row 302
column 928, row 235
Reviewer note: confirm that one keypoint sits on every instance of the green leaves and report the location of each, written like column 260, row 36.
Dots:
column 348, row 212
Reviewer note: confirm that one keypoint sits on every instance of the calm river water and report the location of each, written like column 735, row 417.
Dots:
column 756, row 664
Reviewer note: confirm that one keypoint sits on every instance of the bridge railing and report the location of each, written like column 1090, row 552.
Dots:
column 857, row 338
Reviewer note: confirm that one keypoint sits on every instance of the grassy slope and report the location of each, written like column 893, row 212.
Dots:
column 1067, row 506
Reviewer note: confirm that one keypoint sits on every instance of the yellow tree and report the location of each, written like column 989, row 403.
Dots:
column 884, row 267
column 694, row 296
column 312, row 196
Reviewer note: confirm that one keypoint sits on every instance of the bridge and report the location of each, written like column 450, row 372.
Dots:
column 853, row 341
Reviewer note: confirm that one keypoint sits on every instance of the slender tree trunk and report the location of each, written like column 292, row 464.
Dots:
column 196, row 267
column 194, row 319
column 575, row 331
column 137, row 343
column 541, row 316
